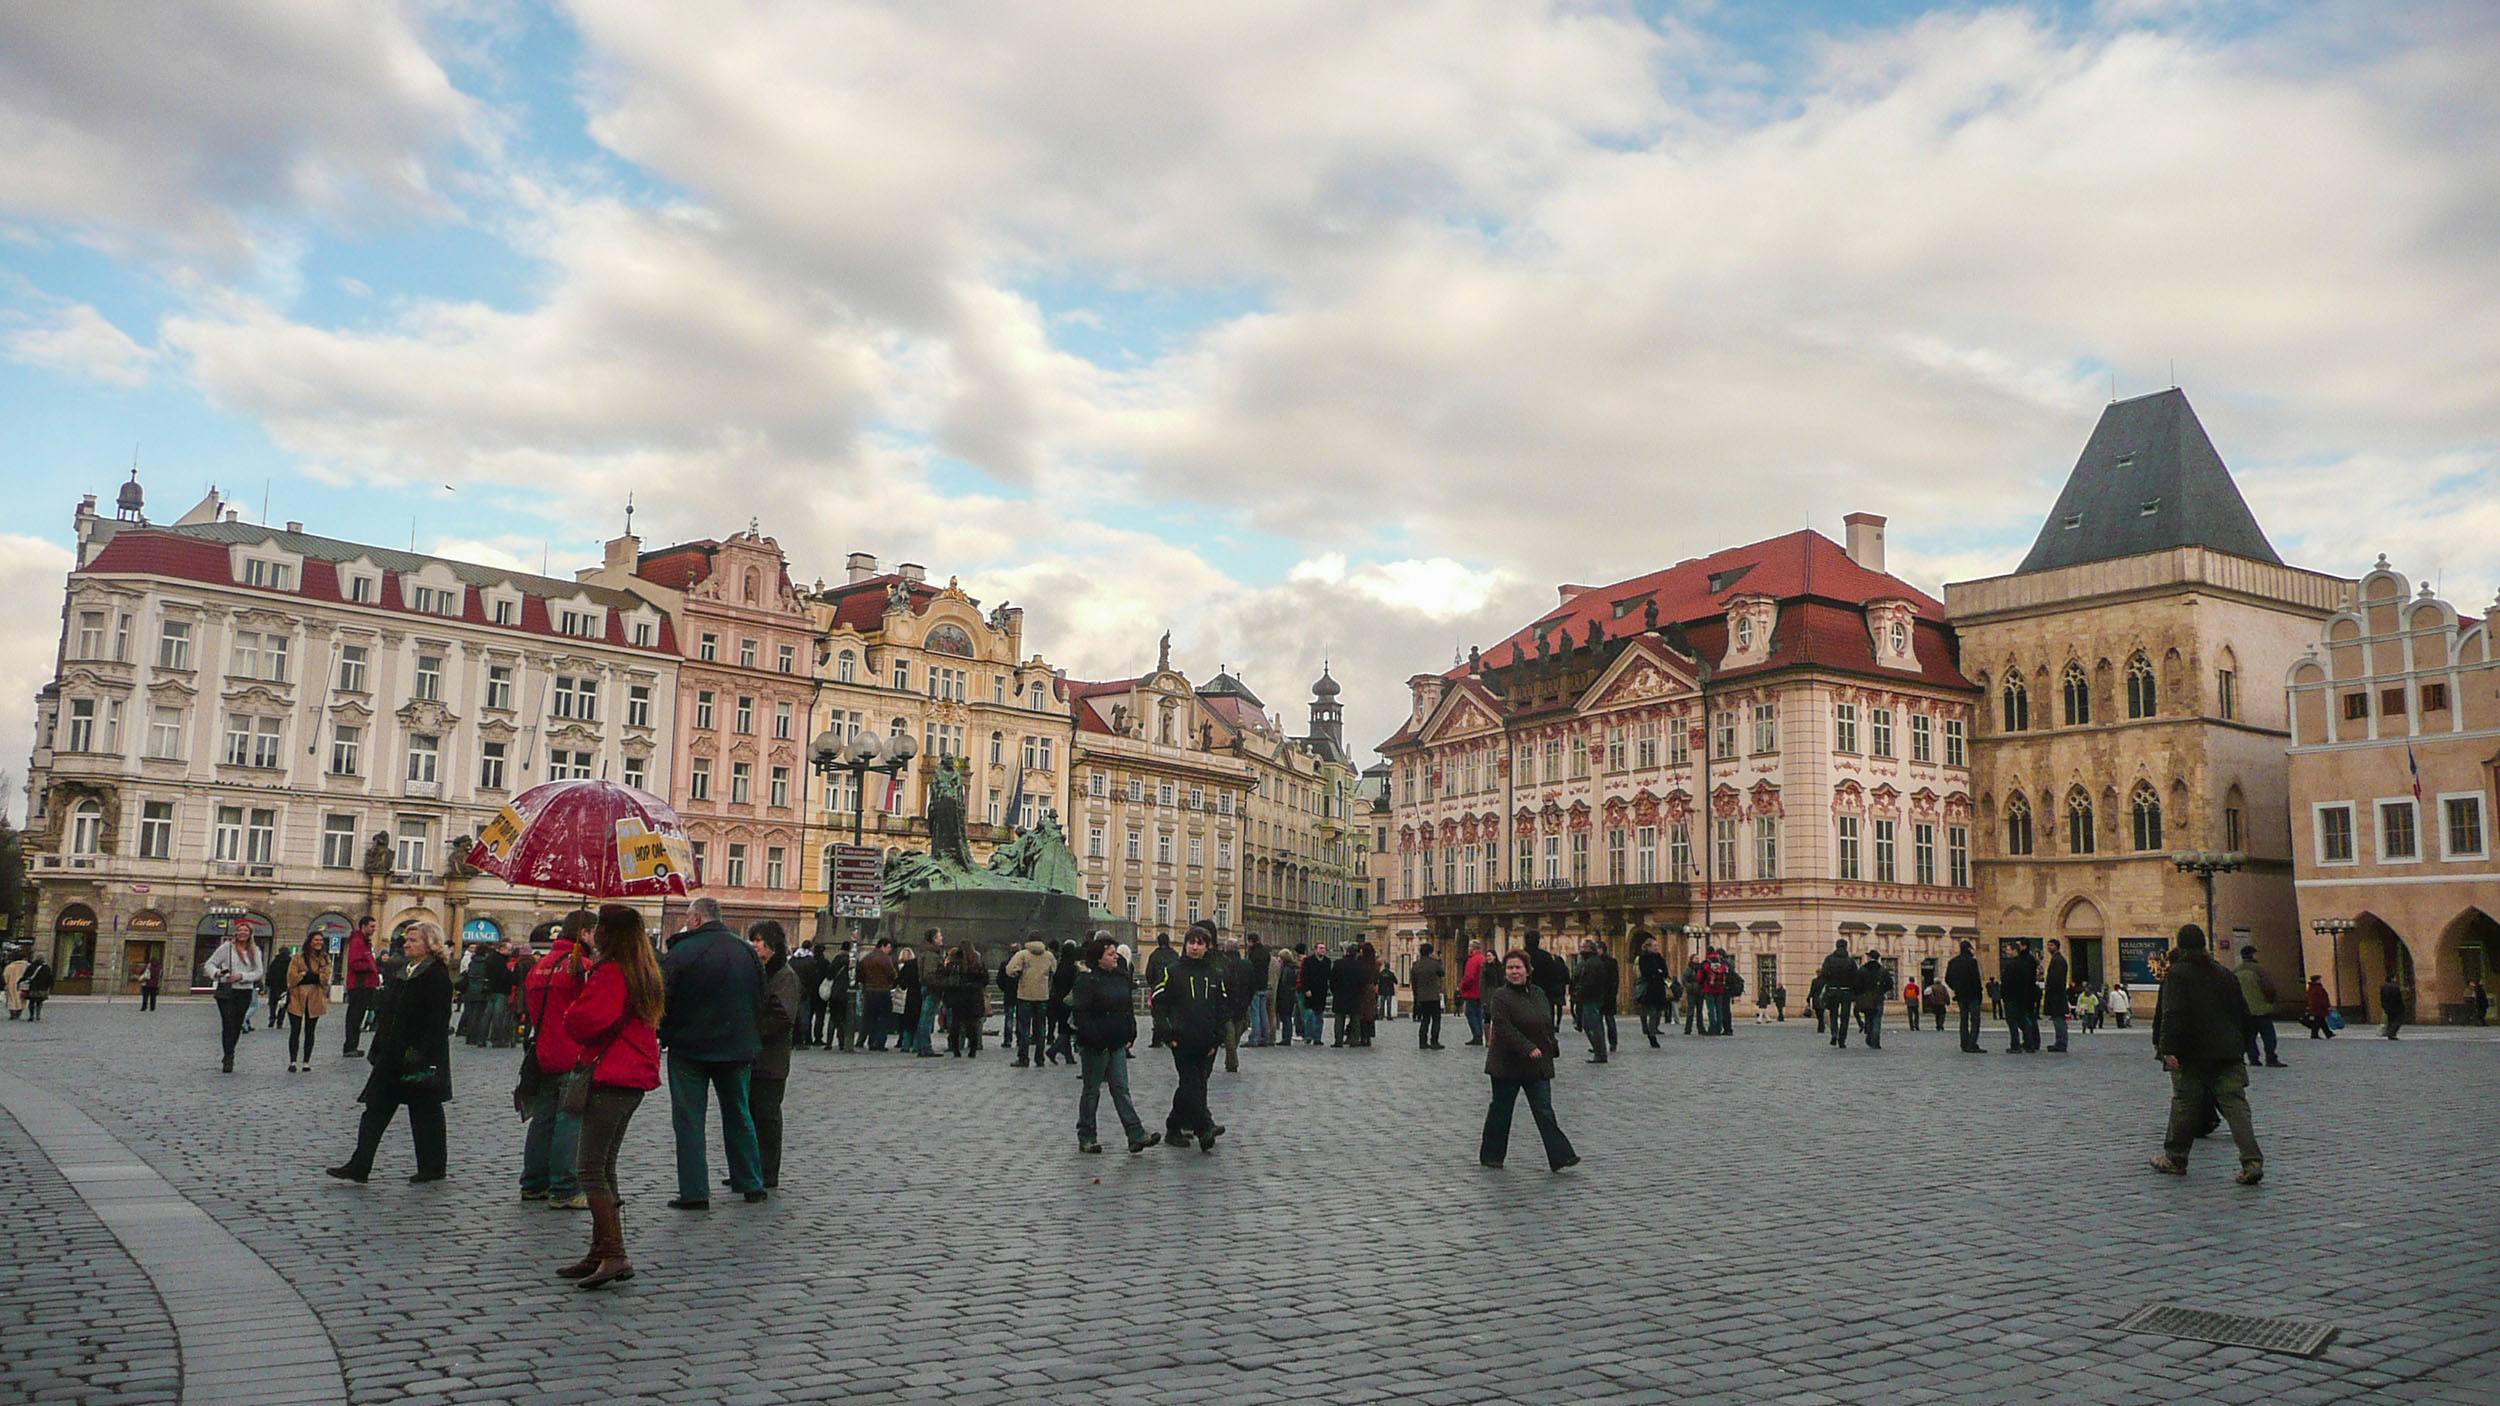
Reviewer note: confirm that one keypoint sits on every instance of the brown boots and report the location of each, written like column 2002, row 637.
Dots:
column 606, row 1261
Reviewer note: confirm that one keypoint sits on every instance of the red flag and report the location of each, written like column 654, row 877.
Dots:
column 2416, row 768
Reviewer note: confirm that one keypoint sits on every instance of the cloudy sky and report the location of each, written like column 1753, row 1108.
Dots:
column 1304, row 330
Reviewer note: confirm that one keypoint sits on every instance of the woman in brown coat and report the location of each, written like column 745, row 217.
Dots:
column 307, row 1000
column 1520, row 1045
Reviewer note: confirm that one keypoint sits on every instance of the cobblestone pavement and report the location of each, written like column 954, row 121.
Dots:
column 1758, row 1219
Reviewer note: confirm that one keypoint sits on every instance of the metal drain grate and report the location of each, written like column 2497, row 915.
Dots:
column 2301, row 1337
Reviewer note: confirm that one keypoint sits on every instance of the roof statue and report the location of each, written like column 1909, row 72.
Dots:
column 1163, row 660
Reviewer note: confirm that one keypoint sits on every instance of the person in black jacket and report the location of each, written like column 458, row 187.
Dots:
column 1547, row 973
column 1650, row 977
column 1062, row 1043
column 2020, row 975
column 715, row 986
column 2054, row 998
column 1961, row 977
column 1239, row 984
column 1316, row 973
column 1102, row 1014
column 1593, row 991
column 411, row 1059
column 1346, row 981
column 2202, row 1031
column 1839, row 980
column 1874, row 993
column 1190, row 1010
column 1520, row 1046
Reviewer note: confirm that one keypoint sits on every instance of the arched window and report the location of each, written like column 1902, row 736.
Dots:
column 2078, row 690
column 2146, row 806
column 86, row 828
column 998, row 749
column 2079, row 836
column 846, row 667
column 2018, row 826
column 2017, row 704
column 2141, row 694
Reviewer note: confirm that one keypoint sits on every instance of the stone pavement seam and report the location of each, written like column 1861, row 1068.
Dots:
column 182, row 1250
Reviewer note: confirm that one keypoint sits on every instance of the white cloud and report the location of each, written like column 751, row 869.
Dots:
column 176, row 131
column 31, row 569
column 79, row 341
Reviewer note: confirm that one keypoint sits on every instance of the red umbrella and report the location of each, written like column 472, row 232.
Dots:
column 594, row 838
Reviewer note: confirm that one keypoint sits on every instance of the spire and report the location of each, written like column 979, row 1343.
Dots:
column 2149, row 480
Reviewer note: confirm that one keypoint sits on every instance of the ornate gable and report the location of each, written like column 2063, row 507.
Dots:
column 1465, row 711
column 1644, row 673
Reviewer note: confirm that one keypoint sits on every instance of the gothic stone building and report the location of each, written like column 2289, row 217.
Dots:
column 2119, row 722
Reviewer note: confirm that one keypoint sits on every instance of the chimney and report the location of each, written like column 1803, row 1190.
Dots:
column 296, row 528
column 1865, row 537
column 1567, row 592
column 623, row 555
column 911, row 571
column 859, row 566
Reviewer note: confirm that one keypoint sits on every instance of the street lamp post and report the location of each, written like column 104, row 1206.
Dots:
column 2204, row 864
column 2333, row 930
column 828, row 755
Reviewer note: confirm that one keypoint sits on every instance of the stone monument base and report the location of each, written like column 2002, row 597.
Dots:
column 995, row 921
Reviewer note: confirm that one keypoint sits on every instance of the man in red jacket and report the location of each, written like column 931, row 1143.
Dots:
column 1471, row 990
column 364, row 977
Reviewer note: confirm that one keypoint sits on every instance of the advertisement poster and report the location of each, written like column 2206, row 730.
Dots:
column 2135, row 960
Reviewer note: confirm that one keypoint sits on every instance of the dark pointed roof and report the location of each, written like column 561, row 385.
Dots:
column 2149, row 480
column 1227, row 684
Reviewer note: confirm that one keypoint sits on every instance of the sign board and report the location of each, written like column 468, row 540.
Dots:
column 477, row 930
column 147, row 920
column 2135, row 960
column 858, row 881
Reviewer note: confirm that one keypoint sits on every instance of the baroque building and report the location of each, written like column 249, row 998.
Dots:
column 1159, row 807
column 249, row 722
column 2395, row 777
column 1764, row 747
column 898, row 656
column 2118, row 724
column 746, row 692
column 1300, row 878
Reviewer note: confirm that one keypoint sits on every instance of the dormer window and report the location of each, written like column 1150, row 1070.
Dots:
column 2123, row 461
column 2149, row 507
column 507, row 612
column 364, row 590
column 581, row 624
column 270, row 575
column 2073, row 521
column 433, row 600
column 1744, row 632
column 1900, row 637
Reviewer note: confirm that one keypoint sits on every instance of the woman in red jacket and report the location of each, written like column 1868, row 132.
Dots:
column 616, row 1023
column 552, row 1146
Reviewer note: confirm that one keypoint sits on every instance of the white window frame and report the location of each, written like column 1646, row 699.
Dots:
column 2317, row 833
column 2482, row 826
column 2378, row 828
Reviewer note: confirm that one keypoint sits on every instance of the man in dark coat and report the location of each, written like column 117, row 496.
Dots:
column 809, row 969
column 2391, row 1001
column 2053, row 996
column 2019, row 974
column 1240, row 983
column 1547, row 973
column 1839, row 977
column 1262, row 978
column 1593, row 991
column 1317, row 971
column 1873, row 994
column 1346, row 982
column 2203, row 1032
column 1162, row 956
column 1192, row 1010
column 714, row 989
column 1649, row 980
column 1961, row 977
column 1423, row 982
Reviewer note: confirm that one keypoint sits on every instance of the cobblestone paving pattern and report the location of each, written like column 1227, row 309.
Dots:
column 79, row 1321
column 1758, row 1219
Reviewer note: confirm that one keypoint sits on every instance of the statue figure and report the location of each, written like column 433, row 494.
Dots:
column 1119, row 718
column 378, row 855
column 1475, row 660
column 1595, row 634
column 456, row 863
column 946, row 815
column 897, row 594
column 1649, row 614
column 1163, row 661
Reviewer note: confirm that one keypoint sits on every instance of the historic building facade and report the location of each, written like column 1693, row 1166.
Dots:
column 2395, row 778
column 899, row 656
column 1765, row 747
column 2119, row 723
column 746, row 693
column 249, row 722
column 1299, row 874
column 1159, row 810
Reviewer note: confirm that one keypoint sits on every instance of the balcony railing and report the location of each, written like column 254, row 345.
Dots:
column 1546, row 895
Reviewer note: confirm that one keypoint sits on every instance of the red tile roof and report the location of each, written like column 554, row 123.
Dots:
column 1080, row 696
column 861, row 604
column 201, row 554
column 678, row 567
column 1822, row 596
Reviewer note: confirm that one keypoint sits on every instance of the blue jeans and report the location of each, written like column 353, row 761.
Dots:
column 551, row 1149
column 876, row 1015
column 689, row 1081
column 1475, row 1021
column 1106, row 1069
column 928, row 1025
column 1311, row 1019
column 1598, row 1024
column 1258, row 1019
